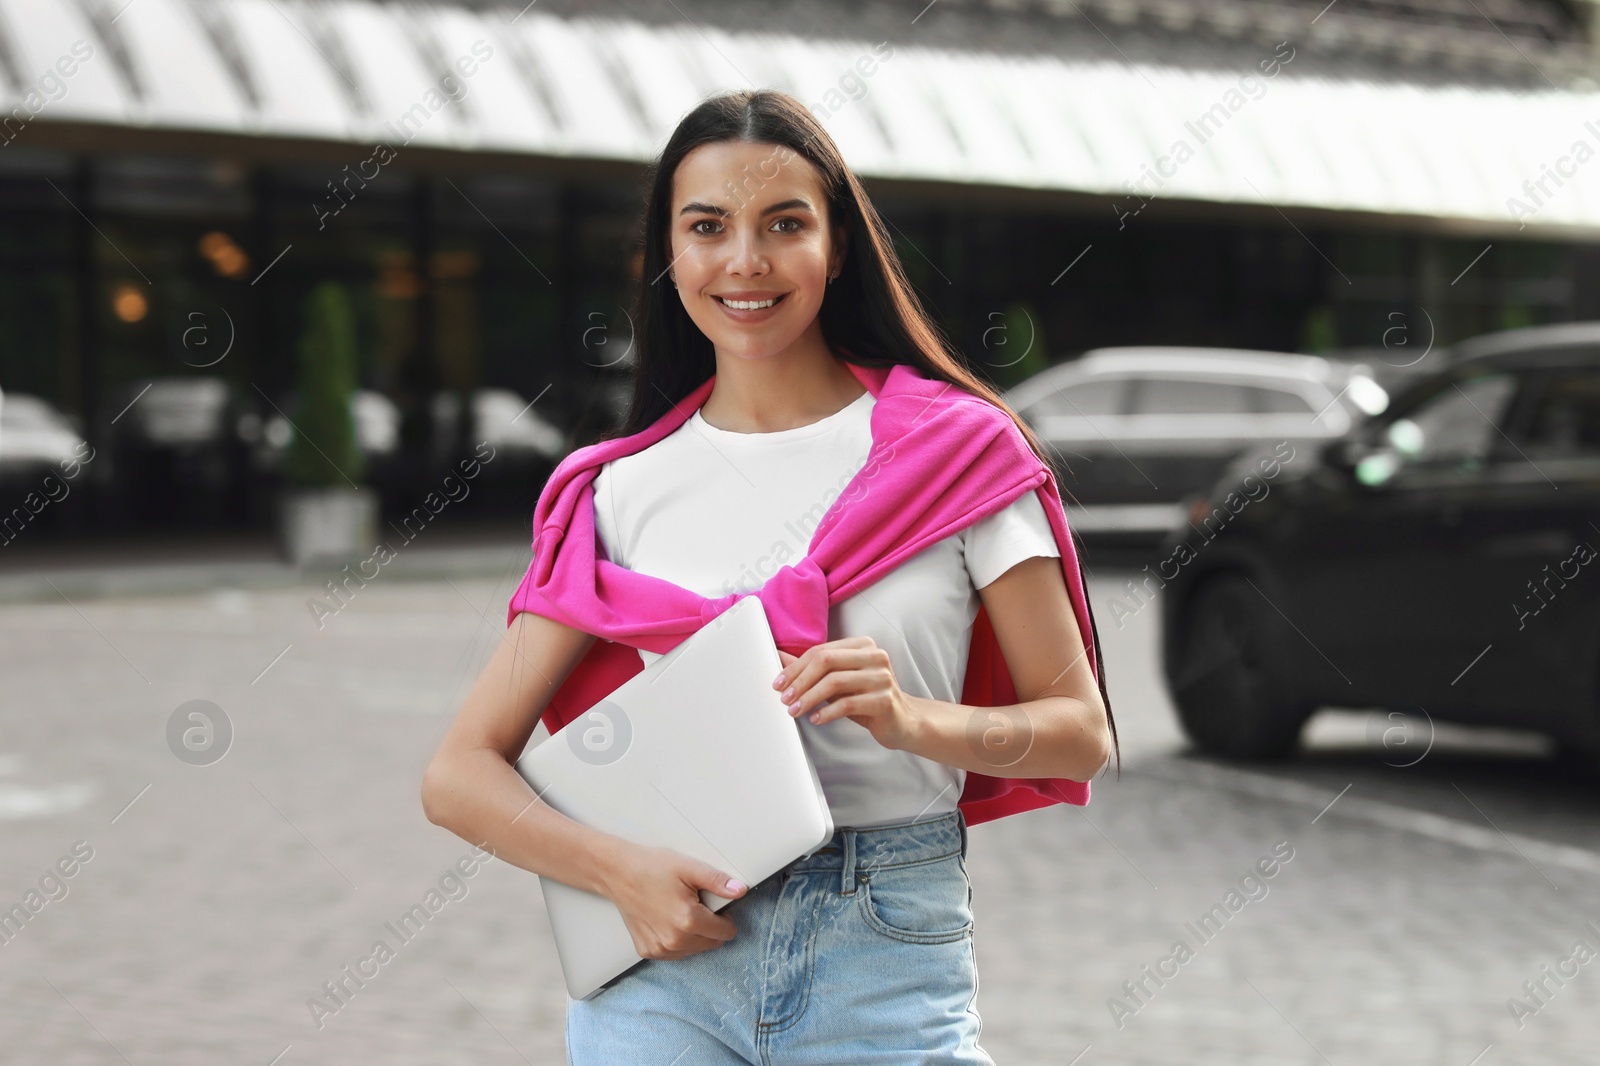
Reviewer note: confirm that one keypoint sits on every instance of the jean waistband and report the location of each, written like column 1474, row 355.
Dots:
column 902, row 844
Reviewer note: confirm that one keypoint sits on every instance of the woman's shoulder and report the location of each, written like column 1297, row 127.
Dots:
column 1018, row 531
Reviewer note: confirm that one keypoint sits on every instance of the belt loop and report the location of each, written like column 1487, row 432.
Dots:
column 847, row 878
column 961, row 822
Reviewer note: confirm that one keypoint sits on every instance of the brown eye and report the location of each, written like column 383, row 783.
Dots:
column 695, row 228
column 781, row 221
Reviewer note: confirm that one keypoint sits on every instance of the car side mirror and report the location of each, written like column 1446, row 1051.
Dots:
column 1364, row 463
column 1360, row 461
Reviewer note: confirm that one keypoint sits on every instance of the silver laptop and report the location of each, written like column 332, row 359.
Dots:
column 696, row 753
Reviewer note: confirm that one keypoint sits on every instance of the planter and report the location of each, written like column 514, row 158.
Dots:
column 326, row 526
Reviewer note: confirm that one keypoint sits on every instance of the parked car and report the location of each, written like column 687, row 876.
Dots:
column 501, row 417
column 1138, row 429
column 504, row 420
column 36, row 440
column 514, row 446
column 173, row 456
column 1442, row 561
column 43, row 461
column 377, row 424
column 517, row 446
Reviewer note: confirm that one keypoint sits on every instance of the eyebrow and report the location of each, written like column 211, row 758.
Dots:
column 698, row 208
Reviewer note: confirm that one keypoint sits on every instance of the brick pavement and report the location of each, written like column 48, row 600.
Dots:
column 225, row 896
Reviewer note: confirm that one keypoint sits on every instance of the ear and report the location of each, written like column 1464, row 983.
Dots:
column 841, row 245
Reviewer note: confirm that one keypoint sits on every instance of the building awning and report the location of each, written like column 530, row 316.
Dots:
column 360, row 72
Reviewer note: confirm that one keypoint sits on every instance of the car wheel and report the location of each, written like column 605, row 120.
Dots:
column 1230, row 683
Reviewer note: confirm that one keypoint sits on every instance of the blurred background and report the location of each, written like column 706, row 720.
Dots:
column 1304, row 296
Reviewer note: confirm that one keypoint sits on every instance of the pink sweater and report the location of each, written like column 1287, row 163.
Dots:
column 941, row 459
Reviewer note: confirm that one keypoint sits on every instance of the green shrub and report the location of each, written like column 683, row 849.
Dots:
column 322, row 447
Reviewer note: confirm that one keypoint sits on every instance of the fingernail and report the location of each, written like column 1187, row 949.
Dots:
column 777, row 681
column 735, row 886
column 788, row 694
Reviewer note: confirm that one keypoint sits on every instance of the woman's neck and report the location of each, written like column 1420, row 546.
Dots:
column 804, row 384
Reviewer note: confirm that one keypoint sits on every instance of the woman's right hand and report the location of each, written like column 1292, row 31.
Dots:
column 657, row 891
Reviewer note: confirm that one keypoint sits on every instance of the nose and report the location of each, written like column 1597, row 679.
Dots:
column 746, row 256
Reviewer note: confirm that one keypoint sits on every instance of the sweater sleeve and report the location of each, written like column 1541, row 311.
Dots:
column 995, row 544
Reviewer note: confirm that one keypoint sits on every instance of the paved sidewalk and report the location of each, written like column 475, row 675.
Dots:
column 211, row 904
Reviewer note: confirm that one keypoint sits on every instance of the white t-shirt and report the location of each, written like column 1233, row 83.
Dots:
column 717, row 512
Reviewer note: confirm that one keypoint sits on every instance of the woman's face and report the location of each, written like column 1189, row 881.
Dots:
column 749, row 224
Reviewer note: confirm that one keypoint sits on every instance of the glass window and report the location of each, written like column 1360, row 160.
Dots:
column 1458, row 425
column 1566, row 422
column 1270, row 401
column 1179, row 396
column 1104, row 396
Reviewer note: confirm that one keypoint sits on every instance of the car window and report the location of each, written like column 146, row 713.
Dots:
column 1271, row 401
column 1189, row 396
column 1565, row 422
column 1459, row 425
column 1102, row 396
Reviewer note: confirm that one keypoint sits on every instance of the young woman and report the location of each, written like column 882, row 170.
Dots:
column 768, row 273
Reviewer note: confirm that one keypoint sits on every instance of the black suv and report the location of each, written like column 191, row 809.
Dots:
column 1442, row 558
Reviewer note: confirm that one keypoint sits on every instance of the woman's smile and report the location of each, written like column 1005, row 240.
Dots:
column 756, row 307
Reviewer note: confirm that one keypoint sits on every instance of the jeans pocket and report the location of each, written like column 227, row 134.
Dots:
column 923, row 903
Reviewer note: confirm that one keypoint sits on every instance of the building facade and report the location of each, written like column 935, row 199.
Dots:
column 177, row 176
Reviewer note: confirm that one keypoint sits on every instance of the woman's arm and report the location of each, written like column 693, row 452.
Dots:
column 472, row 788
column 1061, row 723
column 1059, row 731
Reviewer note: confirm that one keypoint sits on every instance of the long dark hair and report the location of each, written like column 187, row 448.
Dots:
column 871, row 313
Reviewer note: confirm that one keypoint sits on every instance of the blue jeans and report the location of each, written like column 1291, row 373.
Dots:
column 860, row 954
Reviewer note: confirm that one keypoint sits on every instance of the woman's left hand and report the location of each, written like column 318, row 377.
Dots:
column 849, row 678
